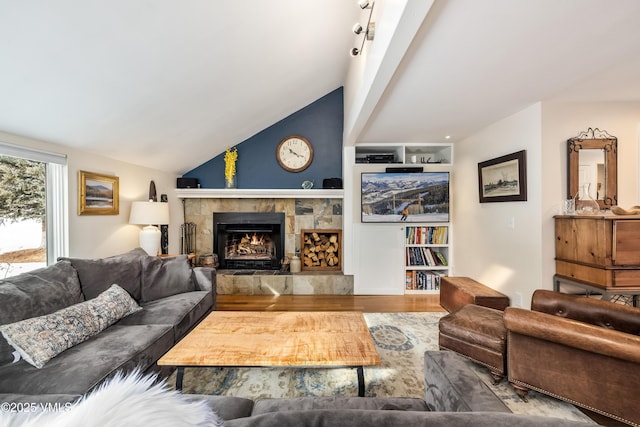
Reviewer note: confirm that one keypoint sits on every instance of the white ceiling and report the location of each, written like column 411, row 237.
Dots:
column 475, row 62
column 169, row 84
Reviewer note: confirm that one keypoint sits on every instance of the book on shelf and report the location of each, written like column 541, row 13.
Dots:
column 428, row 235
column 424, row 256
column 419, row 280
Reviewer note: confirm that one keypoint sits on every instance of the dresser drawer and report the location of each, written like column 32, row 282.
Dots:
column 626, row 279
column 626, row 243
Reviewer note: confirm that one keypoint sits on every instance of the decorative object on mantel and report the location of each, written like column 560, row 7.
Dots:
column 98, row 194
column 230, row 158
column 149, row 213
column 307, row 185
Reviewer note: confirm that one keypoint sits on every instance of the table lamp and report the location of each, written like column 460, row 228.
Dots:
column 149, row 213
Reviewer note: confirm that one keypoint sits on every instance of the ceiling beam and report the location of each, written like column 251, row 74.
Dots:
column 397, row 22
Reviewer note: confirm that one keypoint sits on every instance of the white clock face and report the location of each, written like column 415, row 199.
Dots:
column 294, row 153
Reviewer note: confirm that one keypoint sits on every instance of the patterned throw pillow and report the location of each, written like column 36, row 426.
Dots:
column 39, row 339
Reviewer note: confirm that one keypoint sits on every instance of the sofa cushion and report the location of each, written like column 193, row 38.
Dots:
column 41, row 338
column 262, row 406
column 226, row 407
column 96, row 275
column 451, row 385
column 115, row 348
column 350, row 418
column 181, row 311
column 163, row 277
column 36, row 293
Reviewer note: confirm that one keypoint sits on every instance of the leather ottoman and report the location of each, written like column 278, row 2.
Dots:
column 456, row 292
column 477, row 333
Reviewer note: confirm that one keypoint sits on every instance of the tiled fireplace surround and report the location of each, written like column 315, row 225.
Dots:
column 300, row 213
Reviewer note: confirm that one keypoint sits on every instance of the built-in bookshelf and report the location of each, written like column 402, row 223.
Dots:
column 426, row 257
column 418, row 154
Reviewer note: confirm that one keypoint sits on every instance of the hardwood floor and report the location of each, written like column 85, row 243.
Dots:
column 364, row 303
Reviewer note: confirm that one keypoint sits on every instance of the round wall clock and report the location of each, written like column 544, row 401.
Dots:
column 294, row 153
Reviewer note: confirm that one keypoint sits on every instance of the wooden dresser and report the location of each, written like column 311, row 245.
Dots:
column 599, row 251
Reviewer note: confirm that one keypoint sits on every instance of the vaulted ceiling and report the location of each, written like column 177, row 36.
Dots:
column 169, row 84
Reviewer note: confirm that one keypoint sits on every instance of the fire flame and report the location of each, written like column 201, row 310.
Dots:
column 257, row 241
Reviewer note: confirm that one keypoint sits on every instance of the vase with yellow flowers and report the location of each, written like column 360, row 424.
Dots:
column 230, row 157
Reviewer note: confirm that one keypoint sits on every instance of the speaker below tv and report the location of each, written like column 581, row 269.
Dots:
column 408, row 169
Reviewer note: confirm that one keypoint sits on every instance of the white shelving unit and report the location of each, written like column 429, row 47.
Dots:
column 426, row 257
column 387, row 242
column 405, row 154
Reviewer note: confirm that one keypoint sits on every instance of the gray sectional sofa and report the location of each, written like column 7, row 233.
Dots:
column 169, row 296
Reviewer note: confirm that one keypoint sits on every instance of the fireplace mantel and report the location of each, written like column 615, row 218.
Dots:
column 246, row 193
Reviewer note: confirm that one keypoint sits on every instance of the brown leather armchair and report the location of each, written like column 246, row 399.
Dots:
column 582, row 350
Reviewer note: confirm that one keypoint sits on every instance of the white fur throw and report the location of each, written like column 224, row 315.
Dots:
column 125, row 400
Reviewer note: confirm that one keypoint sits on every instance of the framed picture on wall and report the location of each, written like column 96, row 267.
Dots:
column 98, row 194
column 503, row 179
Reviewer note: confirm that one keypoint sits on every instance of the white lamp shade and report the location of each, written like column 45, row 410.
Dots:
column 148, row 213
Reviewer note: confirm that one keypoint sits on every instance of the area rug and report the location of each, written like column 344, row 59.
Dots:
column 401, row 339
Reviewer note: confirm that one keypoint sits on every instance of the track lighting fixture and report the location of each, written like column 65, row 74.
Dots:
column 369, row 32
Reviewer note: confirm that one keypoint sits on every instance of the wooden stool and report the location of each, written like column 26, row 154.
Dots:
column 477, row 333
column 456, row 292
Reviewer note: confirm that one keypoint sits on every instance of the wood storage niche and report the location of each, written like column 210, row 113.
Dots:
column 321, row 250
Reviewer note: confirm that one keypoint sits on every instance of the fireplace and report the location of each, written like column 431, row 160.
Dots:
column 249, row 240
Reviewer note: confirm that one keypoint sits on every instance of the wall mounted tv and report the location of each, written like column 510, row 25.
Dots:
column 405, row 197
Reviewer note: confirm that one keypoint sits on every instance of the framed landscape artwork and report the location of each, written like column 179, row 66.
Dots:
column 405, row 197
column 98, row 194
column 503, row 179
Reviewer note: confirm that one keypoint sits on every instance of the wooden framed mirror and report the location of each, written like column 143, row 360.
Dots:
column 593, row 162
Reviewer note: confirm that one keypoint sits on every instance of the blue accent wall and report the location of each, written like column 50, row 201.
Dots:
column 321, row 122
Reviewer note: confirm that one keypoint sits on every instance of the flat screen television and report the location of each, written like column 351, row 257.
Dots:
column 405, row 197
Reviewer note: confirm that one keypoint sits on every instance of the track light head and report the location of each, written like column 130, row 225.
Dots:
column 357, row 29
column 355, row 51
column 371, row 31
column 363, row 4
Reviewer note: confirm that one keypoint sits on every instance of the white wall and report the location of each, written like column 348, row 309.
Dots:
column 561, row 121
column 518, row 261
column 105, row 235
column 485, row 248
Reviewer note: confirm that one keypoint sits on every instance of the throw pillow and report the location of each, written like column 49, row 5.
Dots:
column 41, row 338
column 96, row 275
column 163, row 277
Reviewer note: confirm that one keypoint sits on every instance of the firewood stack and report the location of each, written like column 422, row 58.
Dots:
column 321, row 249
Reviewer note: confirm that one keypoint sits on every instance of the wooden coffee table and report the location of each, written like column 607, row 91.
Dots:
column 276, row 339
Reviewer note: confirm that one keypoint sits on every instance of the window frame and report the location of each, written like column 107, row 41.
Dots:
column 56, row 186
